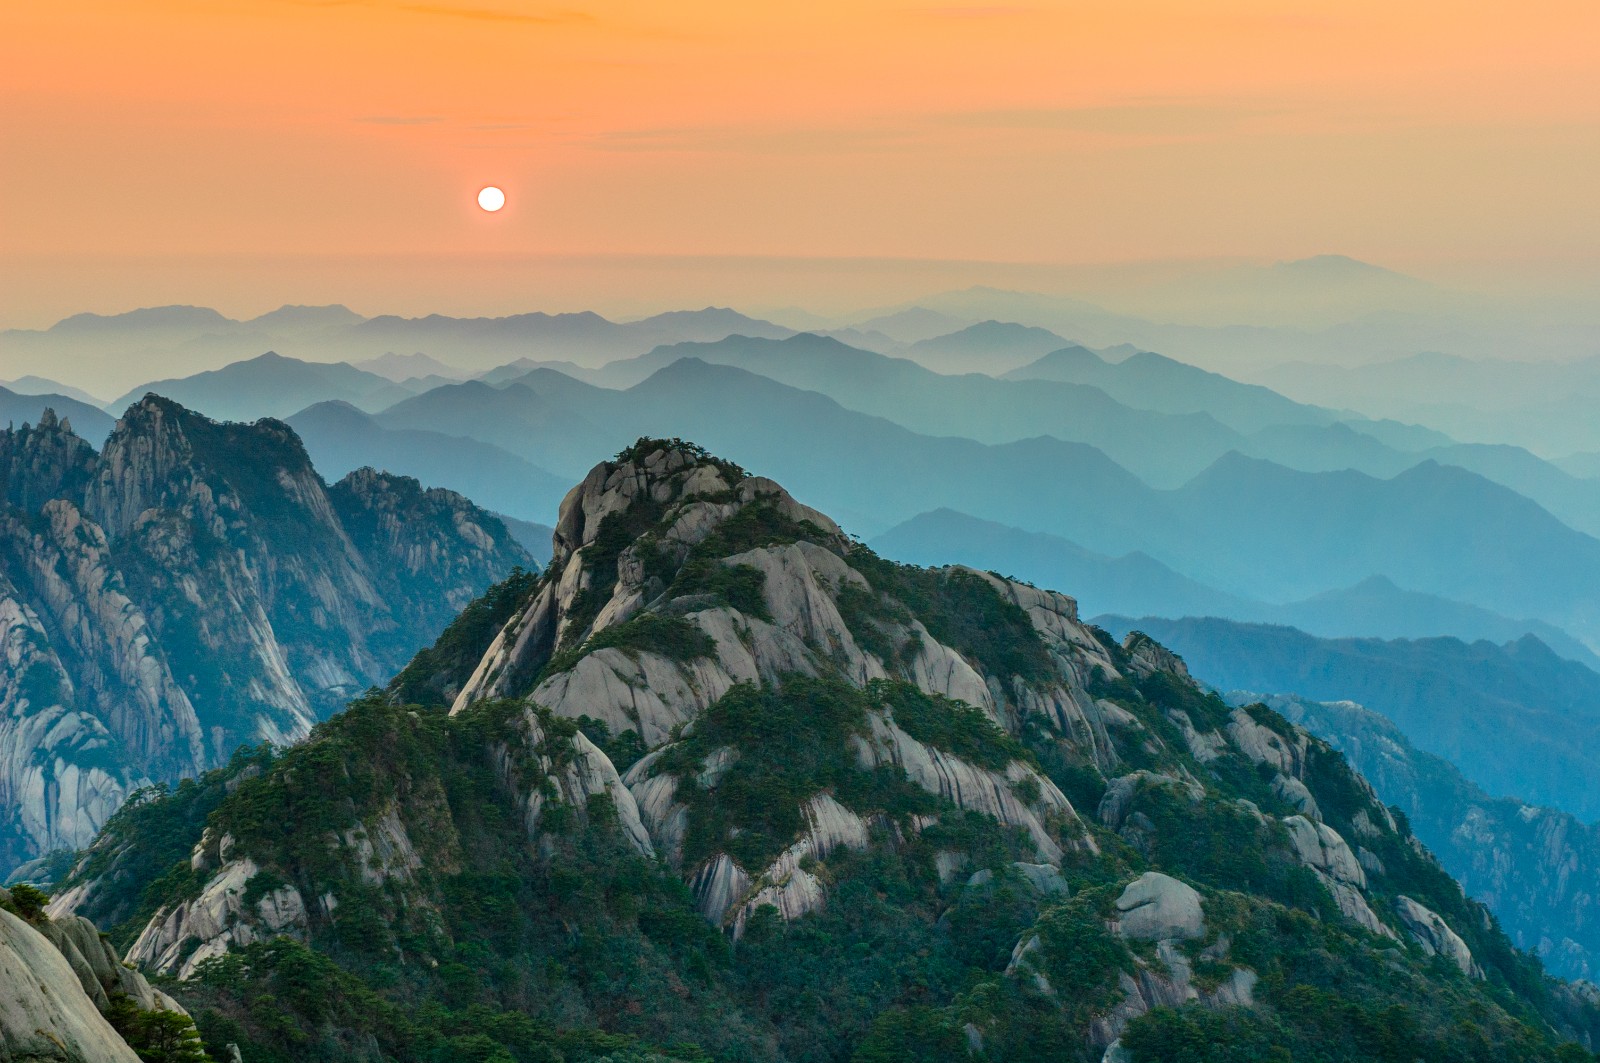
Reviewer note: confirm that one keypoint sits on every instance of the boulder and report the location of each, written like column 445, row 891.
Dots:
column 1157, row 907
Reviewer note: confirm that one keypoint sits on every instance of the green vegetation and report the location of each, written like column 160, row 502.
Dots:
column 437, row 671
column 947, row 724
column 502, row 941
column 964, row 611
column 644, row 446
column 159, row 1036
column 616, row 533
column 786, row 746
column 743, row 587
column 27, row 901
column 672, row 637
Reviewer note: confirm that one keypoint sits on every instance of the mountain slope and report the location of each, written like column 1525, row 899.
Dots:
column 193, row 587
column 1159, row 447
column 1537, row 869
column 1375, row 607
column 991, row 347
column 17, row 410
column 722, row 784
column 1516, row 719
column 1050, row 561
column 1153, row 382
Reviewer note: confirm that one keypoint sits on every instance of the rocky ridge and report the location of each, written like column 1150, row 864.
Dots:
column 194, row 587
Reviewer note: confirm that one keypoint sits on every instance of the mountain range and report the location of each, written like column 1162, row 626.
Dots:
column 724, row 784
column 1138, row 585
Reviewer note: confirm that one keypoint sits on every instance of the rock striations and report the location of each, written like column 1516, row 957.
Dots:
column 194, row 587
column 722, row 778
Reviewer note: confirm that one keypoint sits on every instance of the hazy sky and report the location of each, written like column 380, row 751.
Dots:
column 244, row 153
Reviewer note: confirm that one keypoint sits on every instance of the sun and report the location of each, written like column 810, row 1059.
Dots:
column 491, row 198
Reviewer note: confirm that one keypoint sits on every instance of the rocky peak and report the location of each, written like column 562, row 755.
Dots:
column 195, row 587
column 41, row 462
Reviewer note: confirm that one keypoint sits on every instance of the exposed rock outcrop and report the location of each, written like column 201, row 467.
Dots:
column 1429, row 930
column 44, row 1012
column 193, row 588
column 1157, row 907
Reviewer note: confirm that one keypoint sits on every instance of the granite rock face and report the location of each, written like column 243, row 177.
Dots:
column 61, row 977
column 195, row 587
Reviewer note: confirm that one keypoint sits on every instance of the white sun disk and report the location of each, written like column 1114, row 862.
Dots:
column 491, row 198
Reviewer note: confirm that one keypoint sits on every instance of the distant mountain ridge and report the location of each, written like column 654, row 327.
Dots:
column 1137, row 584
column 196, row 586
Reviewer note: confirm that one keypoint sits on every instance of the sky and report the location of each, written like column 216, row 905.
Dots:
column 247, row 153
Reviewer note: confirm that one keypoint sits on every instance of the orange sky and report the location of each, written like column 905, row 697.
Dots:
column 142, row 141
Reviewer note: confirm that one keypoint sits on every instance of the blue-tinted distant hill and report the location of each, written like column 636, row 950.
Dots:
column 271, row 385
column 1100, row 583
column 1151, row 381
column 341, row 438
column 1246, row 527
column 1159, row 447
column 1373, row 607
column 88, row 422
column 114, row 352
column 991, row 347
column 1516, row 719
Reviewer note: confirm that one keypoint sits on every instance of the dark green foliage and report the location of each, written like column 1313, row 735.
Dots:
column 163, row 1037
column 28, row 901
column 567, row 946
column 1220, row 843
column 40, row 685
column 963, row 610
column 788, row 745
column 436, row 672
column 946, row 724
column 919, row 1033
column 644, row 446
column 616, row 533
column 1200, row 1035
column 1081, row 957
column 743, row 587
column 623, row 750
column 144, row 848
column 870, row 617
column 672, row 637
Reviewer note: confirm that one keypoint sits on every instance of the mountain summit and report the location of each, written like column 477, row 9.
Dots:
column 724, row 784
column 193, row 587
